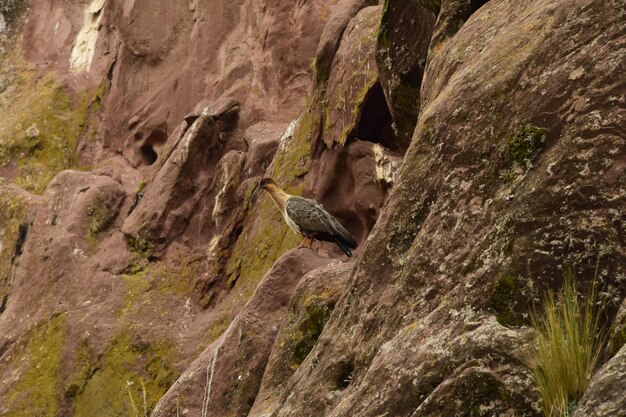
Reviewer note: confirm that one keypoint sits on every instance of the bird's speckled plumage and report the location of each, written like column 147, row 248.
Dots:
column 308, row 217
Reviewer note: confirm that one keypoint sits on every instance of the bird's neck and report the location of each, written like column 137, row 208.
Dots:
column 278, row 196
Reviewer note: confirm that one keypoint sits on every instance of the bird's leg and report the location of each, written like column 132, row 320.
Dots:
column 314, row 247
column 302, row 245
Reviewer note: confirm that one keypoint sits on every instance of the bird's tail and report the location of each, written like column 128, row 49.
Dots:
column 343, row 246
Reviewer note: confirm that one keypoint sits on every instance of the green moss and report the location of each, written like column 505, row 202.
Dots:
column 176, row 278
column 36, row 392
column 353, row 87
column 383, row 28
column 142, row 184
column 525, row 143
column 140, row 368
column 142, row 243
column 40, row 126
column 321, row 70
column 100, row 218
column 12, row 214
column 304, row 329
column 218, row 327
column 506, row 176
column 292, row 161
column 356, row 111
column 405, row 102
column 259, row 245
column 503, row 300
column 83, row 368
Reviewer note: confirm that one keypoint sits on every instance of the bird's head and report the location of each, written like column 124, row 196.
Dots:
column 264, row 184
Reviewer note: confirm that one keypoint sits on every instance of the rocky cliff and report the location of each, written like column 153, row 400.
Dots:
column 475, row 149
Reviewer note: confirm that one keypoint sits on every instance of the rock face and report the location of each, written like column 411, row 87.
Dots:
column 474, row 148
column 226, row 377
column 402, row 49
column 475, row 212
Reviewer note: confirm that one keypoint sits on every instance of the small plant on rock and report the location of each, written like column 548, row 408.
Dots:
column 568, row 345
column 9, row 7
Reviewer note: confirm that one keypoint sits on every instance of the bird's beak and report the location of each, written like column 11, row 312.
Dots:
column 255, row 194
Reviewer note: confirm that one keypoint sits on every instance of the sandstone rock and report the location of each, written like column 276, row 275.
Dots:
column 605, row 395
column 311, row 305
column 106, row 314
column 195, row 178
column 401, row 59
column 342, row 13
column 227, row 375
column 516, row 167
column 469, row 210
column 262, row 140
column 352, row 77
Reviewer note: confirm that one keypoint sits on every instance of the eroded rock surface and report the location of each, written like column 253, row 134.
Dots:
column 403, row 41
column 153, row 273
column 473, row 211
column 226, row 377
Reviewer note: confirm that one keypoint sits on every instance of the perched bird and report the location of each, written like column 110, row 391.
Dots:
column 308, row 217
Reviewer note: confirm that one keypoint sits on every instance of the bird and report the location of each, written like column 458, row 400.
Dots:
column 307, row 217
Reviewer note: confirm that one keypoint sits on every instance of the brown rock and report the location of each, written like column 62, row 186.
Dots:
column 227, row 375
column 474, row 228
column 342, row 13
column 605, row 395
column 403, row 40
column 262, row 140
column 352, row 77
column 311, row 305
column 194, row 180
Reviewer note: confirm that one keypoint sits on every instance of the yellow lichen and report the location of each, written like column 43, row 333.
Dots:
column 41, row 124
column 37, row 391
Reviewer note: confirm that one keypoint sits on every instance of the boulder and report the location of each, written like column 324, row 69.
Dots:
column 402, row 48
column 310, row 308
column 511, row 174
column 226, row 377
column 352, row 77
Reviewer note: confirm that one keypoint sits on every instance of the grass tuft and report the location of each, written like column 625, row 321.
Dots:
column 568, row 345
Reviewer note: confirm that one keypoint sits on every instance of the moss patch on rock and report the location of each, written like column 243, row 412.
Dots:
column 12, row 214
column 352, row 76
column 82, row 369
column 37, row 391
column 41, row 124
column 218, row 327
column 127, row 371
column 304, row 327
column 142, row 243
column 504, row 301
column 525, row 144
column 101, row 217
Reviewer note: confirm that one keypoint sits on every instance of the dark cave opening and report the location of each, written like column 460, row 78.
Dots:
column 148, row 150
column 148, row 154
column 375, row 123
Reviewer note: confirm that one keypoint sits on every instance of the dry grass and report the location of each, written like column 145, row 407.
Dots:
column 568, row 345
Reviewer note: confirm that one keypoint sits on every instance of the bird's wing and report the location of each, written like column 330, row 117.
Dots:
column 311, row 216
